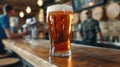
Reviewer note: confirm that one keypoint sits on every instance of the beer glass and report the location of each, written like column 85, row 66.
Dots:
column 60, row 18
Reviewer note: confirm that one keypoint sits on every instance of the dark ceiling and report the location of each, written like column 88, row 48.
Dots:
column 20, row 5
column 23, row 3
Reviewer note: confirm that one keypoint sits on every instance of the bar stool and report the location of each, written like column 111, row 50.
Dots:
column 4, row 55
column 8, row 62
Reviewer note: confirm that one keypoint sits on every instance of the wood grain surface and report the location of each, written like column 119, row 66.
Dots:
column 37, row 53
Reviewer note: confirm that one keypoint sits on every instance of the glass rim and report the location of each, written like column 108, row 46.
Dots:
column 59, row 7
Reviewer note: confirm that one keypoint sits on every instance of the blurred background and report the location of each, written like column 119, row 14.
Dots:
column 108, row 16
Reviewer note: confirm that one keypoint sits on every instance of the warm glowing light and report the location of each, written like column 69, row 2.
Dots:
column 40, row 2
column 41, row 15
column 28, row 9
column 21, row 14
column 91, row 3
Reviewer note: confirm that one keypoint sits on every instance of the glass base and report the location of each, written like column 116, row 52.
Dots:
column 66, row 54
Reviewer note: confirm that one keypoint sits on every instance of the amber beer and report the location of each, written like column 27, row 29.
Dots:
column 59, row 19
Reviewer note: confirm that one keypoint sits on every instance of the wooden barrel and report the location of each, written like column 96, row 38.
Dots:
column 98, row 13
column 8, row 61
column 113, row 10
column 83, row 16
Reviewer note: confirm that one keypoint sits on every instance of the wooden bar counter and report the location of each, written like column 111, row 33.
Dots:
column 36, row 52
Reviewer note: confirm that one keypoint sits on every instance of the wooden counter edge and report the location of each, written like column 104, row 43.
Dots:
column 33, row 59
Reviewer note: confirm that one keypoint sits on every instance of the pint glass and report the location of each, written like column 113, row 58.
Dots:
column 59, row 18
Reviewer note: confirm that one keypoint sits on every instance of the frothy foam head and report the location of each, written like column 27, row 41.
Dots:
column 59, row 8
